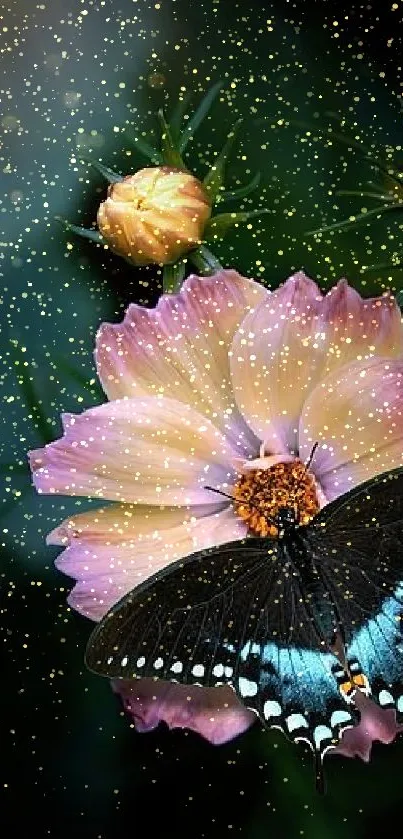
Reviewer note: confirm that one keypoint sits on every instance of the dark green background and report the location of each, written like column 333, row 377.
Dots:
column 70, row 761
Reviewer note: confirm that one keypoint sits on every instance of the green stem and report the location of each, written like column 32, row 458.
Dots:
column 172, row 277
column 205, row 261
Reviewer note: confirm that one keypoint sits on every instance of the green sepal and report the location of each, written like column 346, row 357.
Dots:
column 242, row 191
column 175, row 123
column 214, row 179
column 109, row 175
column 144, row 148
column 199, row 115
column 84, row 232
column 170, row 155
column 218, row 226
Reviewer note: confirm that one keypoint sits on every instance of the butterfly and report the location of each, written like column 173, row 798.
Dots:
column 296, row 624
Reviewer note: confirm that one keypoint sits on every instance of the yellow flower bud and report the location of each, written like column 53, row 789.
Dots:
column 154, row 216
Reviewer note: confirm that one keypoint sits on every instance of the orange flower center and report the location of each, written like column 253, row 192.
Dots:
column 261, row 493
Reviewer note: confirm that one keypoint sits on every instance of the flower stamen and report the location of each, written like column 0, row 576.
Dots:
column 260, row 494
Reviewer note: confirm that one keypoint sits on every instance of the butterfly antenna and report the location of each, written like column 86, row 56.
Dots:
column 220, row 492
column 238, row 500
column 311, row 456
column 306, row 467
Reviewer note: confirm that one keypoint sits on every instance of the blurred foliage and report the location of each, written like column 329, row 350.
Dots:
column 71, row 762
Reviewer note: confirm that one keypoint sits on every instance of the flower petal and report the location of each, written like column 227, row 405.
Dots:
column 375, row 724
column 356, row 414
column 293, row 339
column 273, row 363
column 113, row 549
column 215, row 713
column 180, row 349
column 359, row 327
column 146, row 451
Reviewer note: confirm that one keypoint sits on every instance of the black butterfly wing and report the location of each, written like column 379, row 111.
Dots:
column 203, row 608
column 357, row 542
column 229, row 615
column 378, row 646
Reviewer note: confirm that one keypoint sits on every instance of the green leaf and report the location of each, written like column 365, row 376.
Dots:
column 242, row 191
column 143, row 147
column 385, row 266
column 218, row 226
column 360, row 194
column 214, row 179
column 109, row 175
column 170, row 154
column 199, row 115
column 355, row 219
column 84, row 232
column 366, row 152
column 399, row 298
column 175, row 123
column 80, row 378
column 205, row 261
column 12, row 500
column 33, row 402
column 172, row 276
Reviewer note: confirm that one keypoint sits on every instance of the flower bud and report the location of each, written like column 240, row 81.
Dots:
column 154, row 216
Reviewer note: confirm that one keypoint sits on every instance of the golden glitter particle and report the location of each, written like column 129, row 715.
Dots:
column 156, row 80
column 261, row 493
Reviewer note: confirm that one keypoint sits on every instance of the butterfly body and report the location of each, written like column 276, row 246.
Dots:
column 297, row 558
column 295, row 624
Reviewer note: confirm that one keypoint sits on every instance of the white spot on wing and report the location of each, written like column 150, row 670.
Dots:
column 249, row 649
column 177, row 667
column 322, row 732
column 218, row 670
column 124, row 661
column 246, row 687
column 339, row 717
column 271, row 708
column 385, row 698
column 296, row 721
column 198, row 670
column 158, row 663
column 140, row 661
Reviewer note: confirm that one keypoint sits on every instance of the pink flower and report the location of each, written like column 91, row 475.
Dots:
column 215, row 383
column 375, row 724
column 214, row 712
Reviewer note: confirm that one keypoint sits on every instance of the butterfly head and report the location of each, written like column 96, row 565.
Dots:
column 286, row 521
